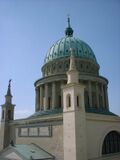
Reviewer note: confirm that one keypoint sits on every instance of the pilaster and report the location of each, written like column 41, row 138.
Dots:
column 41, row 97
column 90, row 93
column 37, row 99
column 103, row 97
column 106, row 97
column 46, row 97
column 97, row 95
column 54, row 95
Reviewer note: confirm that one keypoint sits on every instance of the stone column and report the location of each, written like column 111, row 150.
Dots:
column 90, row 93
column 53, row 95
column 103, row 97
column 37, row 103
column 41, row 97
column 46, row 97
column 62, row 84
column 97, row 95
column 106, row 97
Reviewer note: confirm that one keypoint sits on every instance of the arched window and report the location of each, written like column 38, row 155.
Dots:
column 3, row 114
column 59, row 101
column 68, row 100
column 86, row 97
column 49, row 102
column 9, row 114
column 100, row 101
column 94, row 100
column 111, row 143
column 78, row 103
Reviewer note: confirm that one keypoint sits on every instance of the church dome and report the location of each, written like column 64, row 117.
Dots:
column 57, row 59
column 61, row 49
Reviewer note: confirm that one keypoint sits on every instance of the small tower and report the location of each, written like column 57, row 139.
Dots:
column 74, row 120
column 7, row 115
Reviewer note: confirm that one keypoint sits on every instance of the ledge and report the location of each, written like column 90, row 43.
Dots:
column 100, row 110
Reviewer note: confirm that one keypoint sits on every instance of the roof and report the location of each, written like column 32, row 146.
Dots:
column 46, row 113
column 60, row 110
column 62, row 48
column 99, row 110
column 26, row 152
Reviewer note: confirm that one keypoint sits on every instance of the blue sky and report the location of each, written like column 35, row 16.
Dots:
column 28, row 28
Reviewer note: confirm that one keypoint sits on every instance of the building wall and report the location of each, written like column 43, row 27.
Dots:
column 52, row 144
column 98, row 126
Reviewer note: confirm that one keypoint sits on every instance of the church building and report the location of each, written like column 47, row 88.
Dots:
column 72, row 119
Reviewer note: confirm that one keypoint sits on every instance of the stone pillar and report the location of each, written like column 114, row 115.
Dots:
column 41, row 97
column 74, row 123
column 53, row 95
column 46, row 97
column 103, row 97
column 90, row 93
column 106, row 97
column 97, row 95
column 37, row 105
column 62, row 84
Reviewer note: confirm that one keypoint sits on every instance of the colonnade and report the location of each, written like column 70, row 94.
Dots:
column 49, row 98
column 100, row 91
column 49, row 95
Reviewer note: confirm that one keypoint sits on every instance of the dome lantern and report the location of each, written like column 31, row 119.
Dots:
column 60, row 49
column 69, row 30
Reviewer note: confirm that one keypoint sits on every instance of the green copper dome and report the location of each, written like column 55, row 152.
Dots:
column 61, row 48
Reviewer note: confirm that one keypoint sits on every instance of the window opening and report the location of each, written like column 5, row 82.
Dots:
column 111, row 143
